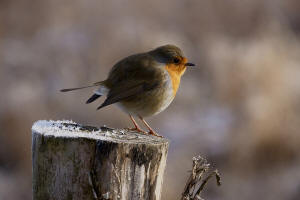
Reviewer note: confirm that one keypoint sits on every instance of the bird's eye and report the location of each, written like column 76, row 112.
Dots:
column 176, row 60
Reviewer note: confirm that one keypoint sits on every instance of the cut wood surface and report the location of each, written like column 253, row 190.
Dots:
column 71, row 161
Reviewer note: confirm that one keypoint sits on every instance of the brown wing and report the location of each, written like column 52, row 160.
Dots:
column 126, row 91
column 135, row 68
column 132, row 76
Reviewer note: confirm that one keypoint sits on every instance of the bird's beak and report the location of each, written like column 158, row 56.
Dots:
column 189, row 64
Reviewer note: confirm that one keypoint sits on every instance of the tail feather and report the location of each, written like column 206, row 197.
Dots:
column 93, row 98
column 71, row 89
column 78, row 88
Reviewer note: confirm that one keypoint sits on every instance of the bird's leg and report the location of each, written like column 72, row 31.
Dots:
column 151, row 131
column 136, row 126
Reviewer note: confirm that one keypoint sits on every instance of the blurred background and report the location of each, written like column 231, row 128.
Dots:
column 240, row 108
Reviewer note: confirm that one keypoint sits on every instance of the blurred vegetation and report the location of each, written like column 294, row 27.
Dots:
column 240, row 108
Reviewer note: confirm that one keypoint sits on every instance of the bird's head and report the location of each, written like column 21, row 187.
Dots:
column 172, row 57
column 173, row 61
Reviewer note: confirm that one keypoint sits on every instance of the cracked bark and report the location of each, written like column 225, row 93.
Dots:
column 97, row 164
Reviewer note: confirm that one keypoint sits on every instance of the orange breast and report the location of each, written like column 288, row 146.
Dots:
column 175, row 72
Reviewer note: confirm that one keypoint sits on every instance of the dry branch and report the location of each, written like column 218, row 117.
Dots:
column 196, row 183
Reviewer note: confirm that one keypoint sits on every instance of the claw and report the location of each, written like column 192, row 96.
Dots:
column 151, row 132
column 136, row 126
column 137, row 130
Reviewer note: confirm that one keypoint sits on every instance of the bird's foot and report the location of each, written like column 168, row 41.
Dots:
column 137, row 129
column 152, row 132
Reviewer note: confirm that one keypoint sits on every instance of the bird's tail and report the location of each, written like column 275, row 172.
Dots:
column 102, row 90
column 78, row 88
column 93, row 98
column 97, row 93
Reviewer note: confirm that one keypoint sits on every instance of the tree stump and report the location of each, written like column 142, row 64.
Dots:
column 71, row 161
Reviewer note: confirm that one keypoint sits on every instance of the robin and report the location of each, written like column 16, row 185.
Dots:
column 142, row 84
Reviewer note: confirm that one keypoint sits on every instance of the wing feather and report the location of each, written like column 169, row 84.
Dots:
column 131, row 76
column 122, row 93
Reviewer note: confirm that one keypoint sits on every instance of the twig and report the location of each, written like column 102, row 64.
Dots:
column 195, row 184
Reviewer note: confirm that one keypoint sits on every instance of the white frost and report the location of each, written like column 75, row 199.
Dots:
column 61, row 128
column 58, row 129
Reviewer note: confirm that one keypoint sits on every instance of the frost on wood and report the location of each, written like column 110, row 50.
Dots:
column 71, row 161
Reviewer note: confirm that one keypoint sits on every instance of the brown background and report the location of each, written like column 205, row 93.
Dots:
column 240, row 109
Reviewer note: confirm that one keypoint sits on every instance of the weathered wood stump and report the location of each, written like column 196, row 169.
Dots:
column 72, row 161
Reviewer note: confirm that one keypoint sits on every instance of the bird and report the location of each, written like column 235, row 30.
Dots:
column 143, row 84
